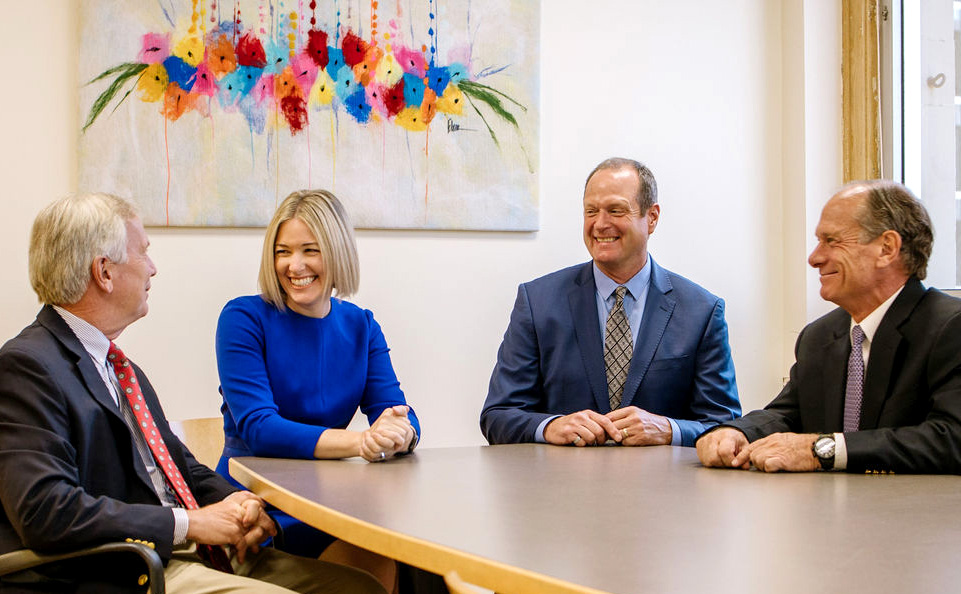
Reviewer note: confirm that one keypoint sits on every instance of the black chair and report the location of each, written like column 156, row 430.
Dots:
column 111, row 555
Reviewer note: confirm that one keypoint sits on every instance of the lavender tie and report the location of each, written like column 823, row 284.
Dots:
column 854, row 391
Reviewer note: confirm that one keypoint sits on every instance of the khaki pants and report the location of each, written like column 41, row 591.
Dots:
column 267, row 572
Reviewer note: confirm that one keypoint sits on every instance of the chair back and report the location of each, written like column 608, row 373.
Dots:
column 203, row 436
column 458, row 586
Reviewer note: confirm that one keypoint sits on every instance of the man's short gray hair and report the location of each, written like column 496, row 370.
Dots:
column 890, row 205
column 646, row 193
column 68, row 236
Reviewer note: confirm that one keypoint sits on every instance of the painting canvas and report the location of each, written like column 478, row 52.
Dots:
column 419, row 114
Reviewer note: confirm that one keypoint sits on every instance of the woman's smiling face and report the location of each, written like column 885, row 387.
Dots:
column 300, row 269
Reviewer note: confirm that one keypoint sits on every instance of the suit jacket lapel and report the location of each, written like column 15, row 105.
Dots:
column 52, row 321
column 657, row 313
column 834, row 373
column 884, row 348
column 583, row 304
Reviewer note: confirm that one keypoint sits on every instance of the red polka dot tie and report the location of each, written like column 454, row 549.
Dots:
column 131, row 389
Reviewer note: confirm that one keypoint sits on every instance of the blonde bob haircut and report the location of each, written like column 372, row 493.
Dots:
column 66, row 238
column 327, row 220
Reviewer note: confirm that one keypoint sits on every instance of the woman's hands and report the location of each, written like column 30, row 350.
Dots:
column 388, row 436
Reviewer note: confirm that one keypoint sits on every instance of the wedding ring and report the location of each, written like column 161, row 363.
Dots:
column 576, row 439
column 383, row 456
column 625, row 433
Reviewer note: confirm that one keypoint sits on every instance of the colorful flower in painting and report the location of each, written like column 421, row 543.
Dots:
column 388, row 71
column 153, row 83
column 180, row 72
column 394, row 101
column 413, row 90
column 335, row 62
column 190, row 50
column 221, row 58
column 411, row 61
column 354, row 49
column 205, row 83
column 322, row 93
column 317, row 47
column 250, row 52
column 156, row 48
column 292, row 74
column 452, row 101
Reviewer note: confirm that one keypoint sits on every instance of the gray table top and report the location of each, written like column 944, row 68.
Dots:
column 537, row 518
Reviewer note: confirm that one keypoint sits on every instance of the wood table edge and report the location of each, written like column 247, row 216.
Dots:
column 426, row 555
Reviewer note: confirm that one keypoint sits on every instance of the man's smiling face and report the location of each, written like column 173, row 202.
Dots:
column 615, row 230
column 847, row 266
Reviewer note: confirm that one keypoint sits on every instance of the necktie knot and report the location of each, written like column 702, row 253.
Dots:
column 116, row 357
column 857, row 336
column 619, row 293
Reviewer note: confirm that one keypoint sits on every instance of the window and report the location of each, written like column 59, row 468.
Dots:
column 921, row 117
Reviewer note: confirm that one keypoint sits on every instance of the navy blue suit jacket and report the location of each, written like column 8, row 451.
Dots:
column 70, row 473
column 551, row 361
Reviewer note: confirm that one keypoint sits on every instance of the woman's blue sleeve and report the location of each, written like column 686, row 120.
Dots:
column 244, row 381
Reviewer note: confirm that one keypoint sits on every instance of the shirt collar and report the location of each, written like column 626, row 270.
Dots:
column 869, row 325
column 635, row 286
column 92, row 339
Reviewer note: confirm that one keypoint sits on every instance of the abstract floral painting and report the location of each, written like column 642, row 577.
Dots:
column 418, row 114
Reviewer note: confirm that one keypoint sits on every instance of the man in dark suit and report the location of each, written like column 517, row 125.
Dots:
column 877, row 382
column 616, row 349
column 77, row 468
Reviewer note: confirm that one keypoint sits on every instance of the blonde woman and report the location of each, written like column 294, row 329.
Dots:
column 296, row 363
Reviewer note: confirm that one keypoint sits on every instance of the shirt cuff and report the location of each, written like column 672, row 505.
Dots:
column 675, row 433
column 539, row 432
column 181, row 523
column 840, row 452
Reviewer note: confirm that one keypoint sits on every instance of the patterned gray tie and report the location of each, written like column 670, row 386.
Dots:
column 854, row 391
column 618, row 349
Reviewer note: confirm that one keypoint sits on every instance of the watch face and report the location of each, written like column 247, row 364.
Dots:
column 824, row 447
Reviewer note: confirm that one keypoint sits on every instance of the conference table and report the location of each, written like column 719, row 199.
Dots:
column 535, row 518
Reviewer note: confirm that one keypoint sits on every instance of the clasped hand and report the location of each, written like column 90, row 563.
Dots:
column 239, row 520
column 630, row 426
column 390, row 434
column 729, row 448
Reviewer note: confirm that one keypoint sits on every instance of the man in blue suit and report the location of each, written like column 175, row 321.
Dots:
column 617, row 349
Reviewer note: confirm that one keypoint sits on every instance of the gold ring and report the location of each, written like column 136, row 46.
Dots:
column 625, row 433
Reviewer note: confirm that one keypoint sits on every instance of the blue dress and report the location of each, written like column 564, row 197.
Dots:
column 286, row 377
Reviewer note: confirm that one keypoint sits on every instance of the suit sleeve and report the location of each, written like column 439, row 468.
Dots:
column 714, row 399
column 934, row 444
column 41, row 489
column 516, row 389
column 781, row 415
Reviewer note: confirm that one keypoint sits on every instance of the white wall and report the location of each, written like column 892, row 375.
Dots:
column 698, row 90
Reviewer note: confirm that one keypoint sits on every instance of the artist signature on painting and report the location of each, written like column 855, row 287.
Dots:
column 453, row 126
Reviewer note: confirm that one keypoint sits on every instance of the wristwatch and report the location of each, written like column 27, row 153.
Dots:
column 823, row 449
